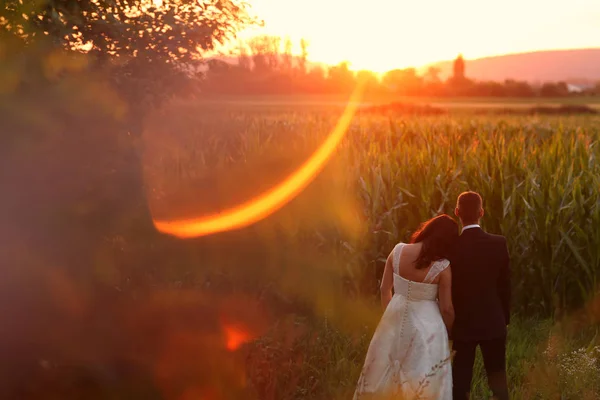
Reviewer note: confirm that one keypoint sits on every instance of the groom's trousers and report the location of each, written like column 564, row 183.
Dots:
column 494, row 360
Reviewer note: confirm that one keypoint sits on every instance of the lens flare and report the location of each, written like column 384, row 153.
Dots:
column 235, row 337
column 267, row 203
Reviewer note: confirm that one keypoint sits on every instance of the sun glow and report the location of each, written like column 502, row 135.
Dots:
column 386, row 34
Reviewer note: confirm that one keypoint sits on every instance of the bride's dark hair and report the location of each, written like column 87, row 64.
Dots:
column 438, row 235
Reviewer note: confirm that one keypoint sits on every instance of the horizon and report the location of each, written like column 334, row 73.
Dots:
column 365, row 31
column 437, row 62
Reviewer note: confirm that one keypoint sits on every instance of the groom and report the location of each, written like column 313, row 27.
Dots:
column 481, row 298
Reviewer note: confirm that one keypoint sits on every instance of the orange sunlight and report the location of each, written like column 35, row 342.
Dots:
column 264, row 205
column 381, row 35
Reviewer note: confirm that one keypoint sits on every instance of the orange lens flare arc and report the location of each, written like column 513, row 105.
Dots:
column 267, row 203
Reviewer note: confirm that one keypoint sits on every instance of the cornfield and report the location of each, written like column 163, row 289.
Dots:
column 539, row 178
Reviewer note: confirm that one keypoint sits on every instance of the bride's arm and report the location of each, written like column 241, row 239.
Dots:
column 445, row 298
column 387, row 281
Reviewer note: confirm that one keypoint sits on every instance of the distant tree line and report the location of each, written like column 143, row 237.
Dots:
column 266, row 65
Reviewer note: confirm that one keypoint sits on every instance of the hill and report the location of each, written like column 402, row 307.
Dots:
column 573, row 66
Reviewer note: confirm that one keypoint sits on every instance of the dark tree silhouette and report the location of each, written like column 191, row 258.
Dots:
column 551, row 89
column 459, row 69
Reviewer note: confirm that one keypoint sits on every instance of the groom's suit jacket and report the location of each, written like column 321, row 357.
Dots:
column 480, row 286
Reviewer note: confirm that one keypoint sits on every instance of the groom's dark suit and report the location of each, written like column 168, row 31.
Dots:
column 481, row 299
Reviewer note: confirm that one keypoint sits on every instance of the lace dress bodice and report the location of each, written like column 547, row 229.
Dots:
column 411, row 290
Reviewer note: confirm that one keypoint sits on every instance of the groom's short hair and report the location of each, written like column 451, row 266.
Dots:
column 469, row 206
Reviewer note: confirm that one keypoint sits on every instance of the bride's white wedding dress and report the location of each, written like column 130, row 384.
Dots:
column 409, row 355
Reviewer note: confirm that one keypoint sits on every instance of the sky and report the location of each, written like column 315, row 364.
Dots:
column 380, row 35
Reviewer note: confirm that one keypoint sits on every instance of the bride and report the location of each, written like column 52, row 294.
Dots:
column 409, row 355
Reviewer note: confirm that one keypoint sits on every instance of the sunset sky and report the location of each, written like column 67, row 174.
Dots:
column 384, row 34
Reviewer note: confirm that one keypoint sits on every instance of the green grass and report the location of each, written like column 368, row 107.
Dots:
column 324, row 363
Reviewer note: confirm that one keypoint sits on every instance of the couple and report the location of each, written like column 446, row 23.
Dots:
column 445, row 285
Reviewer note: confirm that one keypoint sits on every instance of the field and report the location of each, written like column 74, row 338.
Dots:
column 285, row 308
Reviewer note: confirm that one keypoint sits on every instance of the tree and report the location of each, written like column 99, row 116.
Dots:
column 265, row 53
column 303, row 61
column 551, row 89
column 144, row 45
column 518, row 89
column 432, row 84
column 458, row 84
column 287, row 57
column 370, row 81
column 314, row 81
column 432, row 75
column 488, row 89
column 155, row 30
column 403, row 81
column 244, row 59
column 459, row 69
column 341, row 79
